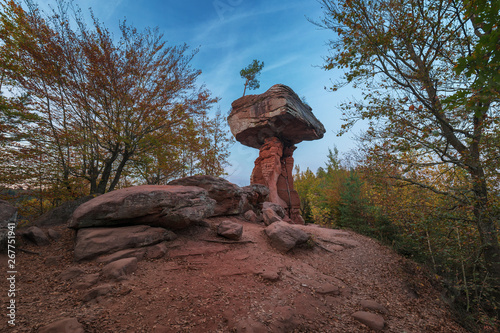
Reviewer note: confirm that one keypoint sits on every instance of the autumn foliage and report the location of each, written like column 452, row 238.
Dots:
column 429, row 227
column 84, row 112
column 429, row 73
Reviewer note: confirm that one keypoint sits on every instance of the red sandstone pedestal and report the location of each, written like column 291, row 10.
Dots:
column 274, row 122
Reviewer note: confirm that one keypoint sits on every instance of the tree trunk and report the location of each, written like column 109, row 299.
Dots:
column 106, row 173
column 125, row 157
column 244, row 90
column 487, row 228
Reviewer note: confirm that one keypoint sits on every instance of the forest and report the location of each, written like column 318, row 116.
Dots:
column 84, row 113
column 425, row 178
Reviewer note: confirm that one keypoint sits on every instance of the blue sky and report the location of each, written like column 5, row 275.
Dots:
column 229, row 35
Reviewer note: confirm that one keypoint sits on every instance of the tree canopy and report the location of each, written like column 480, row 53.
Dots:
column 98, row 108
column 429, row 70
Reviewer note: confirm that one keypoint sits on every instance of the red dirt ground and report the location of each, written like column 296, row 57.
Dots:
column 204, row 284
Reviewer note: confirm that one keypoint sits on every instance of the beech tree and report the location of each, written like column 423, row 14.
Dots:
column 421, row 112
column 102, row 104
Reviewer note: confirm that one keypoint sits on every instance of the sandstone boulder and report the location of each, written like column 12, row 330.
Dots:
column 274, row 122
column 127, row 253
column 278, row 112
column 54, row 234
column 371, row 305
column 228, row 196
column 373, row 321
column 276, row 208
column 61, row 214
column 254, row 196
column 36, row 236
column 120, row 269
column 156, row 251
column 66, row 325
column 98, row 291
column 251, row 216
column 270, row 216
column 230, row 230
column 93, row 242
column 284, row 236
column 172, row 207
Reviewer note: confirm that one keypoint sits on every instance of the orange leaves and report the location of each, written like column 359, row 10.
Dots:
column 101, row 100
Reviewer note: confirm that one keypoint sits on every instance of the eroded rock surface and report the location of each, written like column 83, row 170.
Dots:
column 93, row 242
column 285, row 237
column 278, row 112
column 228, row 196
column 274, row 122
column 172, row 207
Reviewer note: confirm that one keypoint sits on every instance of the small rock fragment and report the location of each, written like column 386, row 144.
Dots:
column 97, row 291
column 156, row 251
column 251, row 216
column 120, row 269
column 36, row 235
column 230, row 230
column 54, row 234
column 328, row 289
column 71, row 273
column 66, row 325
column 270, row 216
column 374, row 306
column 88, row 280
column 373, row 321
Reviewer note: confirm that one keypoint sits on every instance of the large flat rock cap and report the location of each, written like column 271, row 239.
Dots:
column 278, row 112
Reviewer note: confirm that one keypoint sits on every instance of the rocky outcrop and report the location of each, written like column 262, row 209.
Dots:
column 274, row 122
column 228, row 196
column 172, row 207
column 93, row 242
column 61, row 214
column 278, row 112
column 284, row 236
column 254, row 197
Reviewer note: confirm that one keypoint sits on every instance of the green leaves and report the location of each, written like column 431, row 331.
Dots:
column 250, row 74
column 431, row 70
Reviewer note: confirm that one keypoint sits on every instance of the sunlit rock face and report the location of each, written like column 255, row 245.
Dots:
column 274, row 122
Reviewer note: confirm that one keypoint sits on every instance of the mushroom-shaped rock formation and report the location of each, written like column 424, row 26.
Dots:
column 274, row 122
